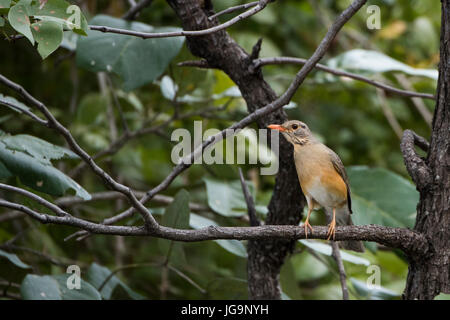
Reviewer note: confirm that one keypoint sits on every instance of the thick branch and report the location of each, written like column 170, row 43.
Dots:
column 411, row 242
column 416, row 166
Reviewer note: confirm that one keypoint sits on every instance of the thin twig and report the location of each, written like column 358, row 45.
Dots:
column 233, row 9
column 147, row 35
column 134, row 11
column 249, row 201
column 63, row 131
column 387, row 111
column 418, row 102
column 300, row 61
column 336, row 254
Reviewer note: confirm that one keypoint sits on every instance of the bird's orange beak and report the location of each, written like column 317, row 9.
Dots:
column 276, row 127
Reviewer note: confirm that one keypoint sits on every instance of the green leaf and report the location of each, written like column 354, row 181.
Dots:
column 18, row 17
column 382, row 197
column 233, row 246
column 41, row 150
column 14, row 260
column 37, row 175
column 375, row 62
column 327, row 250
column 48, row 35
column 176, row 215
column 379, row 293
column 226, row 197
column 97, row 274
column 137, row 61
column 11, row 267
column 442, row 296
column 13, row 103
column 63, row 13
column 2, row 22
column 40, row 288
column 5, row 4
column 4, row 8
column 55, row 288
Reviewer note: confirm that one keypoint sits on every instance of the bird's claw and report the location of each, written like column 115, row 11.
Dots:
column 331, row 230
column 306, row 226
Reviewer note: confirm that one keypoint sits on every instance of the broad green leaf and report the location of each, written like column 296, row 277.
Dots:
column 11, row 267
column 376, row 62
column 137, row 61
column 442, row 296
column 377, row 293
column 40, row 149
column 37, row 175
column 40, row 288
column 14, row 260
column 226, row 197
column 18, row 17
column 55, row 288
column 176, row 216
column 96, row 275
column 327, row 250
column 63, row 13
column 2, row 22
column 86, row 291
column 233, row 246
column 382, row 197
column 13, row 103
column 48, row 35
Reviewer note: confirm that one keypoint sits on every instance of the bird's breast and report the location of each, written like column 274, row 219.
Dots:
column 318, row 178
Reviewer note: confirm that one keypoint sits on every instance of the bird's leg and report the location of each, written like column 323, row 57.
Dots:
column 307, row 225
column 332, row 226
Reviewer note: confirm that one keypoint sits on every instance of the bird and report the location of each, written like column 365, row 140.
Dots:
column 322, row 178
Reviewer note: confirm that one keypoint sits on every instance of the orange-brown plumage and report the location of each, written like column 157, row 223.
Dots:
column 322, row 177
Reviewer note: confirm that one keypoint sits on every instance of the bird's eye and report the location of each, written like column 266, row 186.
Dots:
column 303, row 126
column 294, row 126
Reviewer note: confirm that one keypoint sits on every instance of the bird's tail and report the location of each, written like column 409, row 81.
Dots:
column 343, row 218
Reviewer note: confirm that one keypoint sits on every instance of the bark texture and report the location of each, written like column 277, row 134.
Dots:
column 430, row 275
column 220, row 51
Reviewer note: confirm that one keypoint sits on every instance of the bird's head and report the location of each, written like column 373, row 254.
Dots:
column 296, row 132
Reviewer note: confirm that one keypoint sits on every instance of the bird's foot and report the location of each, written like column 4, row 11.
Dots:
column 331, row 230
column 306, row 226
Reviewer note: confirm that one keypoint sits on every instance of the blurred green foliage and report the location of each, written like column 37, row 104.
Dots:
column 345, row 114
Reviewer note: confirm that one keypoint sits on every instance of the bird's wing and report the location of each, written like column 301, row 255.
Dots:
column 339, row 167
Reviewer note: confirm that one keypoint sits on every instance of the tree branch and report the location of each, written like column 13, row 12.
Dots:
column 63, row 131
column 249, row 201
column 147, row 35
column 299, row 61
column 134, row 11
column 416, row 166
column 336, row 254
column 232, row 9
column 409, row 241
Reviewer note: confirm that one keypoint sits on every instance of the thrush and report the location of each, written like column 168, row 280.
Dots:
column 322, row 177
